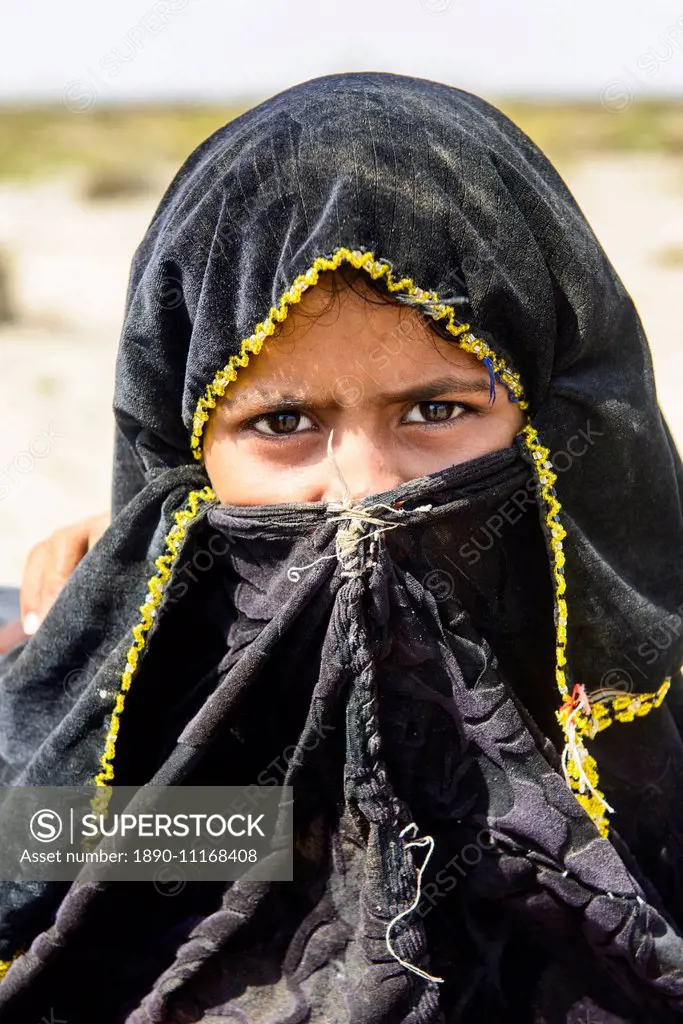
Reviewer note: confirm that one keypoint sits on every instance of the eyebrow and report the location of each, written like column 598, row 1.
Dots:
column 434, row 388
column 277, row 400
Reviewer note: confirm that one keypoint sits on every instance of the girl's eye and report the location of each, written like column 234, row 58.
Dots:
column 279, row 423
column 434, row 412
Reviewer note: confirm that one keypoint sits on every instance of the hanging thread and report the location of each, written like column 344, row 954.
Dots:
column 421, row 841
column 586, row 714
column 350, row 536
column 576, row 761
column 488, row 363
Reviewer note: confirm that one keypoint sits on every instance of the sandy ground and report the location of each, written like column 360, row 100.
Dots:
column 70, row 262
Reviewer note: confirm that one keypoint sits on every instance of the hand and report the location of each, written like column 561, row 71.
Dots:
column 51, row 562
column 11, row 634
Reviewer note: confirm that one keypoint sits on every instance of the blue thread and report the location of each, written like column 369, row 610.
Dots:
column 492, row 377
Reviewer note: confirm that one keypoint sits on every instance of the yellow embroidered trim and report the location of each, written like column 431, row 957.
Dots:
column 556, row 533
column 585, row 715
column 173, row 540
column 376, row 268
column 148, row 611
column 470, row 343
column 585, row 767
column 6, row 964
column 609, row 706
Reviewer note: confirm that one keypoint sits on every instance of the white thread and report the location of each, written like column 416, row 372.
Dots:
column 346, row 501
column 576, row 748
column 350, row 536
column 603, row 694
column 294, row 571
column 422, row 841
column 347, row 540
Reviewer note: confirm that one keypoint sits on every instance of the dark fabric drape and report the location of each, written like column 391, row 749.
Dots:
column 409, row 676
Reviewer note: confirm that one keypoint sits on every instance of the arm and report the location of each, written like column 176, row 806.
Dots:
column 50, row 563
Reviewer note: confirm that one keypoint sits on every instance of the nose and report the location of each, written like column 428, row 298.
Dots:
column 358, row 467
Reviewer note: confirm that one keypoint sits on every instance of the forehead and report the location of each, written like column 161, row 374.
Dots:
column 335, row 331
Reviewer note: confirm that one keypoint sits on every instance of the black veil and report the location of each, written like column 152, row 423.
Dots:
column 436, row 656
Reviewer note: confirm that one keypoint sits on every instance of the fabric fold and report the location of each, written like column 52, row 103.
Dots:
column 471, row 681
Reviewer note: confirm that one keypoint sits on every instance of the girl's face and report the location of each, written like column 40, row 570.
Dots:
column 402, row 402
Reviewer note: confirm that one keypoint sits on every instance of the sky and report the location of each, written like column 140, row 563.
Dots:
column 79, row 51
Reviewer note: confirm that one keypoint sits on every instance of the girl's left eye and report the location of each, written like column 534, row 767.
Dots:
column 434, row 412
column 281, row 423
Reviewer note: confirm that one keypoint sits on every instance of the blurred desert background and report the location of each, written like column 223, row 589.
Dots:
column 77, row 193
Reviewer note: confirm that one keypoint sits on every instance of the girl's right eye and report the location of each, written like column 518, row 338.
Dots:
column 281, row 423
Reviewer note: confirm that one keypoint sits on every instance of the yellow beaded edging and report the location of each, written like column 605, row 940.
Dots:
column 375, row 268
column 148, row 610
column 6, row 964
column 555, row 535
column 585, row 767
column 578, row 718
column 164, row 563
column 585, row 715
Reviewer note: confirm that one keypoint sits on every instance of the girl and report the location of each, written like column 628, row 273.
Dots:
column 397, row 522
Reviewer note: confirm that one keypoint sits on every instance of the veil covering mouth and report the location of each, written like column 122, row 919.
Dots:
column 471, row 682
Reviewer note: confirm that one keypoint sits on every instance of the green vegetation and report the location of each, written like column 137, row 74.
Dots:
column 120, row 149
column 566, row 130
column 104, row 142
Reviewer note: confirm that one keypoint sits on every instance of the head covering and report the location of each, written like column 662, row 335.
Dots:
column 451, row 862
